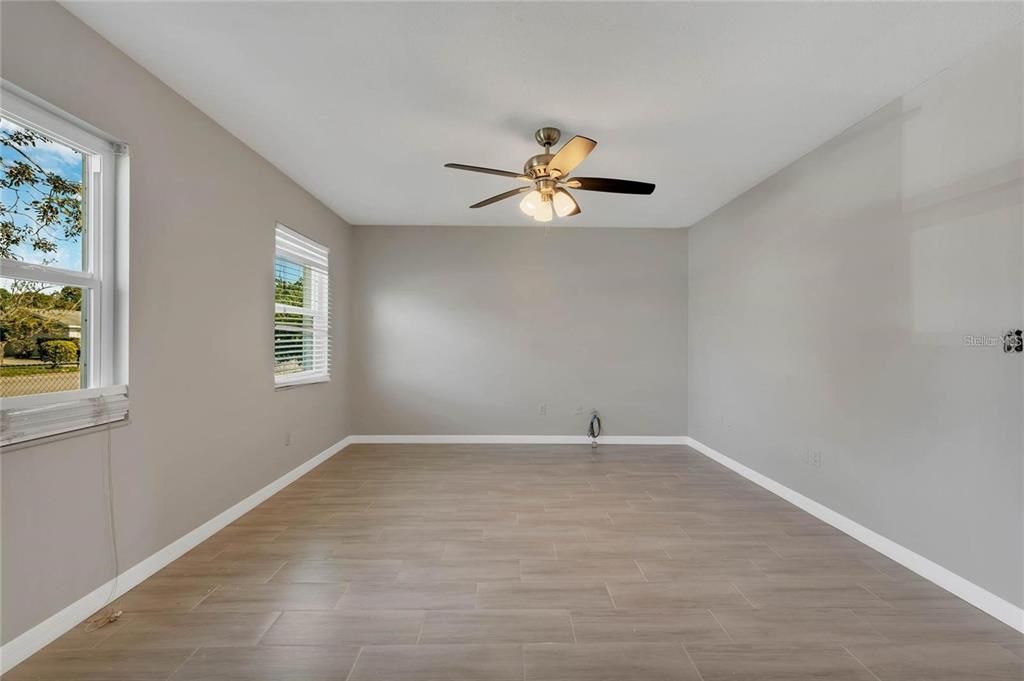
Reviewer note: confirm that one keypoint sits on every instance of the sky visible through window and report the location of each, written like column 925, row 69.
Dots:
column 42, row 344
column 62, row 161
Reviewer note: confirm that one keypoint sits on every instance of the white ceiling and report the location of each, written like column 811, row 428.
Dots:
column 362, row 103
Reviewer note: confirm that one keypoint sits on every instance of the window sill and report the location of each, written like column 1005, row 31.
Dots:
column 290, row 382
column 32, row 417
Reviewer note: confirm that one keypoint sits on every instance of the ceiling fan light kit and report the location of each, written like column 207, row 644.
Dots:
column 548, row 178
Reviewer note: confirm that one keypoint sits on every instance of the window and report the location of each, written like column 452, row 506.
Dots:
column 62, row 334
column 302, row 346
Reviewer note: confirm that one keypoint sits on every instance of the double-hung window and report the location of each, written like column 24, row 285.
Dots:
column 63, row 274
column 302, row 343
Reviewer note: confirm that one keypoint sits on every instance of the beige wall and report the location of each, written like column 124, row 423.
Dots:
column 467, row 330
column 207, row 428
column 828, row 307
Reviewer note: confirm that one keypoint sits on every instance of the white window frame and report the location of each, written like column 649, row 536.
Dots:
column 301, row 250
column 103, row 280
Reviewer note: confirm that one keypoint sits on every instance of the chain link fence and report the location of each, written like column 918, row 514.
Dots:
column 32, row 379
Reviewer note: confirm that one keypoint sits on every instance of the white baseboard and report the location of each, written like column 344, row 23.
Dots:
column 984, row 600
column 21, row 647
column 520, row 439
column 18, row 649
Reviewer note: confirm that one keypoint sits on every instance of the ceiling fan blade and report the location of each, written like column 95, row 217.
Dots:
column 575, row 205
column 501, row 197
column 571, row 155
column 605, row 184
column 489, row 171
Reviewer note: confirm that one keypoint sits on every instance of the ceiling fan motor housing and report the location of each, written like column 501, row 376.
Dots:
column 537, row 166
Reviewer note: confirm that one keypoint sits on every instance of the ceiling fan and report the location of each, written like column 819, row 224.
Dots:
column 547, row 193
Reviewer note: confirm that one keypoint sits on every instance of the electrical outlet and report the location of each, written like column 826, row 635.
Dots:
column 816, row 459
column 806, row 457
column 287, row 438
column 579, row 410
column 543, row 409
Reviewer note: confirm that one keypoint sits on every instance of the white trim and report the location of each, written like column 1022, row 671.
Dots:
column 520, row 439
column 18, row 269
column 301, row 248
column 52, row 122
column 18, row 649
column 996, row 606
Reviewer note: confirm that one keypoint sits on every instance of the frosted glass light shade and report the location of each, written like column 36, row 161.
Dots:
column 564, row 205
column 544, row 212
column 530, row 202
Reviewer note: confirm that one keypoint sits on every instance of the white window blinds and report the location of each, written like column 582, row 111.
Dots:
column 36, row 416
column 302, row 347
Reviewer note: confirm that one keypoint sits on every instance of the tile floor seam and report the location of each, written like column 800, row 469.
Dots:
column 279, row 614
column 868, row 624
column 876, row 597
column 693, row 664
column 352, row 669
column 642, row 573
column 610, row 597
column 183, row 662
column 423, row 624
column 279, row 568
column 719, row 623
column 740, row 592
column 205, row 596
column 866, row 668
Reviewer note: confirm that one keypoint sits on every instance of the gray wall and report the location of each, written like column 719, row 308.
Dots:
column 827, row 311
column 467, row 330
column 207, row 428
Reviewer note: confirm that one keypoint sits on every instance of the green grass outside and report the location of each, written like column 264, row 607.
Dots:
column 37, row 369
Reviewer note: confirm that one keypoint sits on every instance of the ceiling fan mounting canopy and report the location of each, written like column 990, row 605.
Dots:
column 548, row 178
column 547, row 137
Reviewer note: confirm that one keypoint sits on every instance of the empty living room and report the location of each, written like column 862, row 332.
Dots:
column 511, row 341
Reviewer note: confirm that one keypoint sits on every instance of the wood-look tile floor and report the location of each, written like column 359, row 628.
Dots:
column 539, row 563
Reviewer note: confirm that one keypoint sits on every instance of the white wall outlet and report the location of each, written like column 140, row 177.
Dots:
column 543, row 409
column 579, row 410
column 816, row 459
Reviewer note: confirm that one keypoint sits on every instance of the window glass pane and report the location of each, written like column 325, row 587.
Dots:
column 289, row 282
column 293, row 351
column 43, row 346
column 41, row 199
